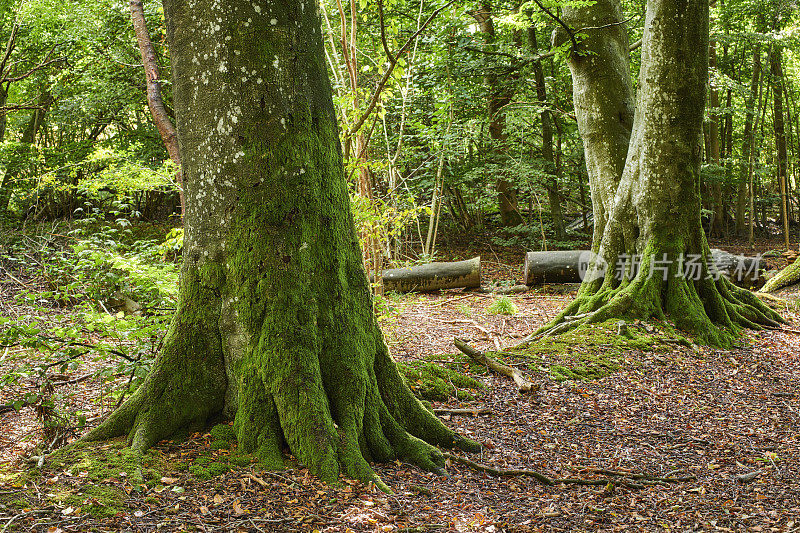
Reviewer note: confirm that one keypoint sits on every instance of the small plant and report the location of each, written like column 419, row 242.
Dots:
column 503, row 306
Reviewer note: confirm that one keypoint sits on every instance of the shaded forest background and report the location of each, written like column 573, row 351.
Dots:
column 453, row 116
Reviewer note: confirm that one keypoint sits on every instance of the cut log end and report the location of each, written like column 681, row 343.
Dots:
column 570, row 267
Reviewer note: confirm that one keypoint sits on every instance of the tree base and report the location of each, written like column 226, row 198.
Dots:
column 333, row 427
column 712, row 311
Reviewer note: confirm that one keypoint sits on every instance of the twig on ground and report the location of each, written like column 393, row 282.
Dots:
column 783, row 330
column 567, row 324
column 451, row 300
column 11, row 276
column 473, row 412
column 632, row 475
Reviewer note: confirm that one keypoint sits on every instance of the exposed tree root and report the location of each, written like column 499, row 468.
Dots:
column 332, row 412
column 613, row 477
column 471, row 412
column 712, row 310
column 788, row 276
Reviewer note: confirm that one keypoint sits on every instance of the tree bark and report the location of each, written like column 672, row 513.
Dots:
column 571, row 266
column 603, row 98
column 655, row 215
column 154, row 98
column 713, row 142
column 749, row 138
column 295, row 357
column 434, row 276
column 554, row 196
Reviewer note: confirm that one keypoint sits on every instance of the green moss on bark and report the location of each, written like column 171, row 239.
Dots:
column 788, row 276
column 275, row 325
column 187, row 384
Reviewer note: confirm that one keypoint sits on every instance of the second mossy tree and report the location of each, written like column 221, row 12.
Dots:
column 274, row 326
column 645, row 175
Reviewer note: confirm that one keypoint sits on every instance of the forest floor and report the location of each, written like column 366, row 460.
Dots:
column 707, row 414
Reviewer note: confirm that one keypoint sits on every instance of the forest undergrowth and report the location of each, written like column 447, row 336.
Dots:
column 720, row 422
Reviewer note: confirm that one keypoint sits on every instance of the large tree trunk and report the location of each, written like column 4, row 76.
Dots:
column 295, row 357
column 655, row 215
column 604, row 100
column 154, row 99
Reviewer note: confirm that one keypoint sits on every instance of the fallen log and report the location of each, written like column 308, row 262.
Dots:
column 481, row 358
column 570, row 267
column 555, row 267
column 741, row 269
column 434, row 276
column 788, row 276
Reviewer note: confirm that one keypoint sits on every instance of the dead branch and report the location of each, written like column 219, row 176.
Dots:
column 619, row 478
column 473, row 412
column 476, row 355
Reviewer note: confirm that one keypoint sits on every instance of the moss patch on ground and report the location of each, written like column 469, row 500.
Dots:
column 96, row 476
column 431, row 381
column 594, row 351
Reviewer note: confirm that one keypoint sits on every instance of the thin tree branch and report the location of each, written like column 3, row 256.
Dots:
column 383, row 32
column 382, row 83
column 491, row 52
column 611, row 25
column 560, row 23
column 9, row 48
column 40, row 66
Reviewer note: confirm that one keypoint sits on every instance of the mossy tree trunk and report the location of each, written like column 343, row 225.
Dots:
column 295, row 357
column 654, row 212
column 604, row 99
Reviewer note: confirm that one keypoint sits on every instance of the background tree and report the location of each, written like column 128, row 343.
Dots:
column 655, row 215
column 155, row 99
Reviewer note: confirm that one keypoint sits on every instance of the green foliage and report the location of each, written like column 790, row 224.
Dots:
column 120, row 293
column 503, row 306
